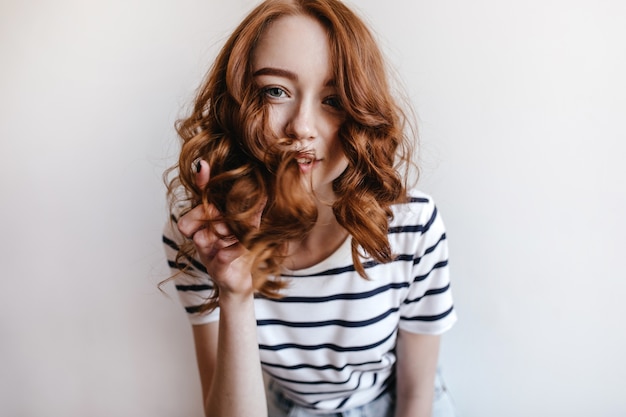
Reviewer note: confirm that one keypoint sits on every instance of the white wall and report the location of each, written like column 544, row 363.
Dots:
column 522, row 108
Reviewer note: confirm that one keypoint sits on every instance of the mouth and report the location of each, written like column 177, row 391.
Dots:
column 306, row 160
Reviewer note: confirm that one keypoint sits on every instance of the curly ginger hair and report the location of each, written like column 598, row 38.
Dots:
column 228, row 128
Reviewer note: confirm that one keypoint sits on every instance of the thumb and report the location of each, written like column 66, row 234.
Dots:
column 202, row 170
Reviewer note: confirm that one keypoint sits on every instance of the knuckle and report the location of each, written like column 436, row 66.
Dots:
column 183, row 226
column 221, row 229
column 200, row 239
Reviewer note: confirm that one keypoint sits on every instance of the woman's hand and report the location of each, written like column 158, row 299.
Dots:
column 227, row 261
column 227, row 351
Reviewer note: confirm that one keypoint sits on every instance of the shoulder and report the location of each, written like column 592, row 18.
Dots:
column 418, row 209
column 416, row 226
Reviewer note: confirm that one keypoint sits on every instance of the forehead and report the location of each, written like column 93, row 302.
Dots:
column 297, row 41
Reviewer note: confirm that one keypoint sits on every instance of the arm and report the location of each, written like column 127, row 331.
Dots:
column 229, row 365
column 416, row 369
column 227, row 352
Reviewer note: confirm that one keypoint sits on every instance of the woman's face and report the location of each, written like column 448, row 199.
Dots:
column 291, row 66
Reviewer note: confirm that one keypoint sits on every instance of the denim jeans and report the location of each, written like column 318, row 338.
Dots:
column 383, row 406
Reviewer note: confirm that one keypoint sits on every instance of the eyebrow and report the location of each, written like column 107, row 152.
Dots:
column 278, row 72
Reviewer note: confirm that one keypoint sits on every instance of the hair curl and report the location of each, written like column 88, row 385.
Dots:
column 227, row 127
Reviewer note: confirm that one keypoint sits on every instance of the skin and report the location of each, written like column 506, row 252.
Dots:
column 292, row 68
column 291, row 64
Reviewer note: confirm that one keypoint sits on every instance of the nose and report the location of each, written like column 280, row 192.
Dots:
column 301, row 125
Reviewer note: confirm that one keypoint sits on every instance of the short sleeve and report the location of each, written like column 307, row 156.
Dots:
column 428, row 307
column 193, row 284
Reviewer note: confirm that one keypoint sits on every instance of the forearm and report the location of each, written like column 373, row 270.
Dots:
column 416, row 405
column 237, row 388
column 416, row 370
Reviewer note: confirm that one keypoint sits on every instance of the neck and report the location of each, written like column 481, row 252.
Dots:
column 323, row 239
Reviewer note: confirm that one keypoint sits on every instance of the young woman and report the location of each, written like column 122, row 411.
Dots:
column 300, row 254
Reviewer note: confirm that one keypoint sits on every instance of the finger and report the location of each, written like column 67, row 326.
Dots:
column 224, row 232
column 208, row 244
column 202, row 173
column 196, row 219
column 227, row 254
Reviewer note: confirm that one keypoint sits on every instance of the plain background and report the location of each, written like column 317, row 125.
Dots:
column 522, row 116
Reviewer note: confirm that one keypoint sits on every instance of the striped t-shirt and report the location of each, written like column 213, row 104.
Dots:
column 329, row 343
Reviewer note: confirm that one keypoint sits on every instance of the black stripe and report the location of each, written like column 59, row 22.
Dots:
column 418, row 200
column 345, row 400
column 343, row 391
column 434, row 291
column 196, row 287
column 429, row 318
column 194, row 309
column 344, row 269
column 178, row 265
column 341, row 323
column 330, row 346
column 322, row 382
column 418, row 228
column 169, row 242
column 430, row 250
column 350, row 268
column 346, row 296
column 319, row 367
column 436, row 266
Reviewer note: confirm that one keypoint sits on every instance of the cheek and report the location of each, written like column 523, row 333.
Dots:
column 276, row 121
column 337, row 153
column 335, row 145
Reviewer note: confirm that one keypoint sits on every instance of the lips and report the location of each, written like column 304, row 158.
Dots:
column 306, row 160
column 305, row 157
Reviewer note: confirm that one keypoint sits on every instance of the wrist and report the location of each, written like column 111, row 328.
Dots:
column 228, row 297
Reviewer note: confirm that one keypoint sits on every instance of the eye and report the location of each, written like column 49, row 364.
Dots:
column 333, row 101
column 275, row 92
